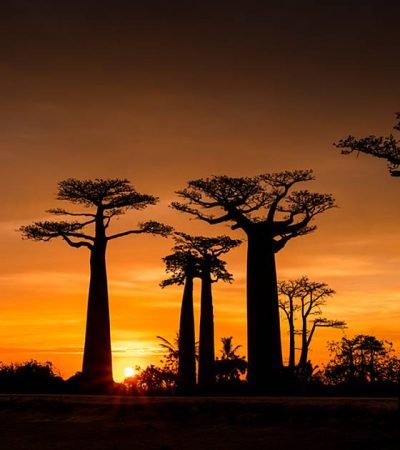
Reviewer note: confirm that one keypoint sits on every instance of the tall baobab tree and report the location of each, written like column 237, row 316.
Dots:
column 270, row 215
column 381, row 147
column 184, row 267
column 103, row 200
column 197, row 257
column 307, row 298
column 211, row 270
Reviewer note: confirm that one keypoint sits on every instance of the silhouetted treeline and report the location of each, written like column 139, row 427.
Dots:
column 361, row 365
column 30, row 377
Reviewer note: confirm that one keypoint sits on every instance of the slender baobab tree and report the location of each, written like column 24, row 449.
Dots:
column 288, row 292
column 306, row 298
column 381, row 147
column 270, row 215
column 184, row 267
column 211, row 270
column 197, row 257
column 103, row 200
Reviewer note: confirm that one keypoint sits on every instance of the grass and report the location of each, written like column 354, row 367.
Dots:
column 117, row 423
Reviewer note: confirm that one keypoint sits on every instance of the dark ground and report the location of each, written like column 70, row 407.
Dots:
column 119, row 423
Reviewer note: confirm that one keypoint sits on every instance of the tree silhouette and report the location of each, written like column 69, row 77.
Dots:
column 197, row 257
column 270, row 215
column 382, row 147
column 171, row 358
column 211, row 269
column 184, row 267
column 307, row 298
column 288, row 291
column 108, row 198
column 362, row 360
column 230, row 366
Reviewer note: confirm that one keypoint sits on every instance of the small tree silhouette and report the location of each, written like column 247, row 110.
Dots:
column 381, row 147
column 263, row 207
column 171, row 358
column 307, row 298
column 109, row 198
column 230, row 366
column 362, row 360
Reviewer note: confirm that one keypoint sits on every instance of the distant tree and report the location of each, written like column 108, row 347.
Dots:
column 171, row 358
column 108, row 198
column 212, row 269
column 155, row 380
column 184, row 267
column 288, row 292
column 306, row 298
column 381, row 147
column 263, row 207
column 230, row 367
column 362, row 360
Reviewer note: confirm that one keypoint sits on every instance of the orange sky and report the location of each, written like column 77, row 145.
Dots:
column 170, row 92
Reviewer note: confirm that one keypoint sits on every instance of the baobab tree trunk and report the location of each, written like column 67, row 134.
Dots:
column 207, row 351
column 97, row 361
column 263, row 327
column 304, row 345
column 187, row 351
column 291, row 344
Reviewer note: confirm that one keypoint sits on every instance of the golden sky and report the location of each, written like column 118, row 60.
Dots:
column 177, row 90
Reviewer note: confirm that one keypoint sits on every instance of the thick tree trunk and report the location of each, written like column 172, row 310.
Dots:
column 97, row 362
column 263, row 326
column 187, row 351
column 207, row 350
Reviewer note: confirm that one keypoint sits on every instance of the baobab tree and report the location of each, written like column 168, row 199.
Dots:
column 184, row 267
column 379, row 146
column 197, row 257
column 305, row 298
column 270, row 215
column 288, row 291
column 103, row 200
column 211, row 270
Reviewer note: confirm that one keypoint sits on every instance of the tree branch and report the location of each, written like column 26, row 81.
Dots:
column 194, row 212
column 64, row 212
column 76, row 244
column 150, row 227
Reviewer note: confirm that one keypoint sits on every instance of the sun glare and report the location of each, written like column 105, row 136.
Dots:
column 129, row 372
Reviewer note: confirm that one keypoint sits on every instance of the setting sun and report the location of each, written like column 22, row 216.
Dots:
column 129, row 372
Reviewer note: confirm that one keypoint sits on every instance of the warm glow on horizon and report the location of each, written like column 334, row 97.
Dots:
column 129, row 372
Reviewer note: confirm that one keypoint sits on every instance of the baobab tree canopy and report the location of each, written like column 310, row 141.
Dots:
column 108, row 198
column 382, row 147
column 207, row 252
column 262, row 203
column 189, row 254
